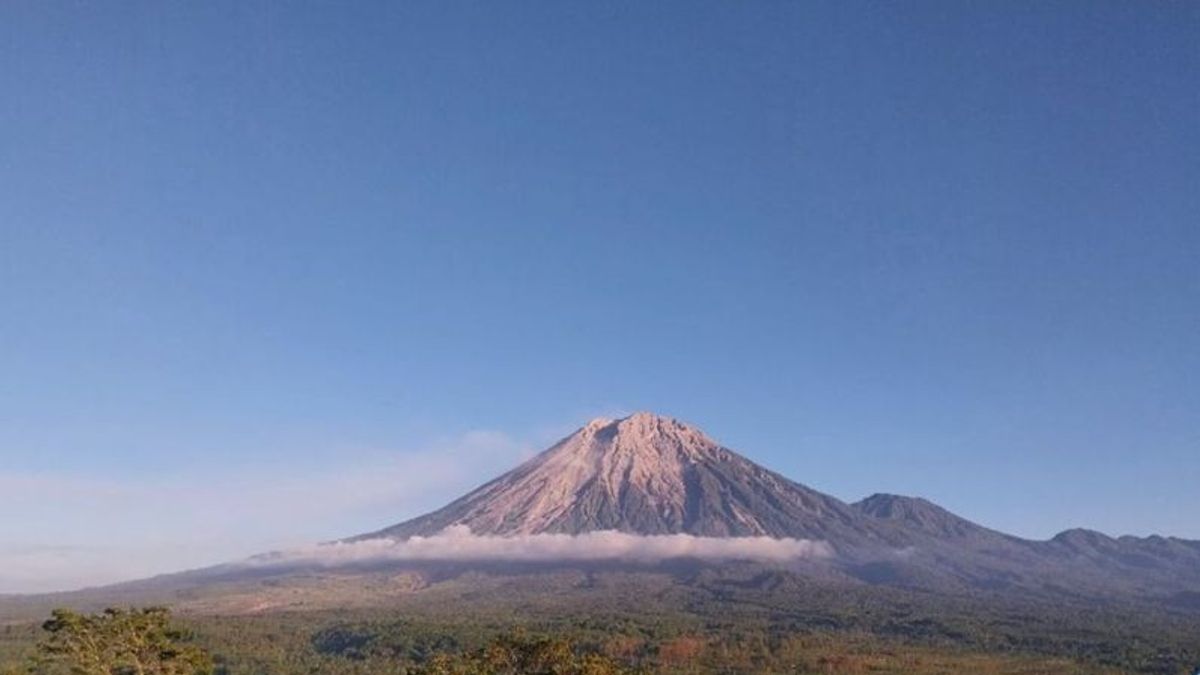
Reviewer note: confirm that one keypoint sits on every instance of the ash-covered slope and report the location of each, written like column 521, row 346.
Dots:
column 646, row 474
column 649, row 475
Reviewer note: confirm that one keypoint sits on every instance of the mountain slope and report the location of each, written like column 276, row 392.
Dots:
column 920, row 515
column 652, row 475
column 645, row 474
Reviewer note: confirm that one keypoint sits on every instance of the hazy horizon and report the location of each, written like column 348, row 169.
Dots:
column 274, row 276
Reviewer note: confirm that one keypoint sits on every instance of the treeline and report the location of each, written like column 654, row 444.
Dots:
column 149, row 642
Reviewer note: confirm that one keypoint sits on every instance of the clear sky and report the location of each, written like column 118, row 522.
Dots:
column 279, row 272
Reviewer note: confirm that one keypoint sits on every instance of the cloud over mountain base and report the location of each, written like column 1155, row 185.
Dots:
column 459, row 544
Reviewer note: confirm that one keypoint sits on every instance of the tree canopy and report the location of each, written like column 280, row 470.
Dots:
column 516, row 655
column 117, row 642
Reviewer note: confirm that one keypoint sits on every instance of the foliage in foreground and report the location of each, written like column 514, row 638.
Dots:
column 116, row 642
column 387, row 642
column 514, row 655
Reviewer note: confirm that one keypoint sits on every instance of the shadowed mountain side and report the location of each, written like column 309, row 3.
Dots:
column 1076, row 562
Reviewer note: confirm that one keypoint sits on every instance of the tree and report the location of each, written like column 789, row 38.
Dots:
column 118, row 642
column 517, row 655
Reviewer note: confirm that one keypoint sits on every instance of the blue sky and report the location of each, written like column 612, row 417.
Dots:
column 275, row 274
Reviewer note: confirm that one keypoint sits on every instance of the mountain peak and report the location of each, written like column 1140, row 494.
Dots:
column 920, row 514
column 649, row 425
column 884, row 505
column 647, row 417
column 644, row 473
column 597, row 423
column 1081, row 538
column 641, row 434
column 642, row 419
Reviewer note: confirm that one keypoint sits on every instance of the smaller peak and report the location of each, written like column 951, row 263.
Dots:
column 889, row 505
column 1081, row 535
column 919, row 512
column 1080, row 532
column 886, row 498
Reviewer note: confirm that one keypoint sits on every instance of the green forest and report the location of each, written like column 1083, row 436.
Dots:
column 150, row 641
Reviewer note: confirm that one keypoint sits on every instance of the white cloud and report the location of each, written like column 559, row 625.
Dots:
column 459, row 544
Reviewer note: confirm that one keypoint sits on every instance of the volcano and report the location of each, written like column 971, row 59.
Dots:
column 648, row 474
column 644, row 474
column 651, row 493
